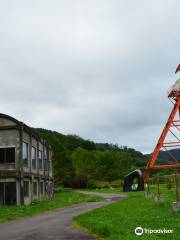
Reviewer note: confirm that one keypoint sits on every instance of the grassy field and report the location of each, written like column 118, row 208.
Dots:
column 62, row 199
column 119, row 220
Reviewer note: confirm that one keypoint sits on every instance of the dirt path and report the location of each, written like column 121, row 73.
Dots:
column 54, row 225
column 107, row 196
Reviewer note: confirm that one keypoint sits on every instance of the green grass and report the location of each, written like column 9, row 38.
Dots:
column 118, row 220
column 62, row 199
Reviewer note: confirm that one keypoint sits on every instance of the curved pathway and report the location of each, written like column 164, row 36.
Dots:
column 54, row 225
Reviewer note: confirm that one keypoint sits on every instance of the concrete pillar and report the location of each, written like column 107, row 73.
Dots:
column 18, row 197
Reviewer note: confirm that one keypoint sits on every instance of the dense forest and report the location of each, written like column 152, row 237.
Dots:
column 83, row 163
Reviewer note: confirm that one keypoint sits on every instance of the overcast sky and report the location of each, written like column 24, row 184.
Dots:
column 96, row 68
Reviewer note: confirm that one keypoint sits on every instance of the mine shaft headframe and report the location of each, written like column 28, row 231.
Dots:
column 174, row 92
column 174, row 96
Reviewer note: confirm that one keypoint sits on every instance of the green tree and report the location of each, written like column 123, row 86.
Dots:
column 84, row 164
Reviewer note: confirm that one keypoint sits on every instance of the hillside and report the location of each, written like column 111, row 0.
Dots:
column 164, row 157
column 77, row 161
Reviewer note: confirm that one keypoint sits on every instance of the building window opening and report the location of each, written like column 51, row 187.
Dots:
column 42, row 188
column 25, row 154
column 33, row 154
column 46, row 165
column 7, row 155
column 7, row 193
column 40, row 159
column 35, row 188
column 26, row 188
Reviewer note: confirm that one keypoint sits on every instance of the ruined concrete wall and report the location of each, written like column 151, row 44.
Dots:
column 10, row 138
column 6, row 122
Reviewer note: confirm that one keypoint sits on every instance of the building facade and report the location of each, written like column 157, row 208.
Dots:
column 25, row 164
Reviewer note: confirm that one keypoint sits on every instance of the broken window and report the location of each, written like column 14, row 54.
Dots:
column 50, row 166
column 40, row 159
column 1, row 193
column 26, row 188
column 46, row 165
column 33, row 156
column 25, row 154
column 41, row 188
column 7, row 155
column 35, row 188
column 7, row 193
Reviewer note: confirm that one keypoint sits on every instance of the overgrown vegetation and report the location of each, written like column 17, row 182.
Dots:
column 119, row 220
column 62, row 199
column 83, row 163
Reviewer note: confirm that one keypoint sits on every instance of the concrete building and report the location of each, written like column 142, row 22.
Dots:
column 25, row 164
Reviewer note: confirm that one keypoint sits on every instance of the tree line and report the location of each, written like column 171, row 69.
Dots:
column 78, row 162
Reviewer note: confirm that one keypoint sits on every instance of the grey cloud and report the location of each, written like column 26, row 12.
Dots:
column 97, row 68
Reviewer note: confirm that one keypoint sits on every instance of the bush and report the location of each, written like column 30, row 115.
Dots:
column 58, row 189
column 92, row 184
column 117, row 183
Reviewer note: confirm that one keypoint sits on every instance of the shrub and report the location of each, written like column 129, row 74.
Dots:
column 92, row 184
column 117, row 183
